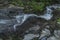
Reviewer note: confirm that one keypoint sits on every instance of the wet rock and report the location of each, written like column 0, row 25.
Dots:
column 44, row 38
column 4, row 3
column 36, row 27
column 44, row 33
column 30, row 36
column 14, row 21
column 55, row 13
column 57, row 33
column 47, row 26
column 7, row 25
column 53, row 38
column 10, row 13
column 26, row 25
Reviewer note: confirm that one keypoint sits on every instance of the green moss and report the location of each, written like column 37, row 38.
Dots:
column 58, row 9
column 58, row 20
column 17, row 2
column 32, row 4
column 37, row 6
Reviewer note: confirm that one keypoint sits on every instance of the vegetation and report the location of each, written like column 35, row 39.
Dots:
column 34, row 5
column 31, row 6
column 58, row 20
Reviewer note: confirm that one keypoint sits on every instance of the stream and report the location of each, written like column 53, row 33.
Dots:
column 31, row 26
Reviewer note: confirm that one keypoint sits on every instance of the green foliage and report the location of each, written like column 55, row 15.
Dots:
column 58, row 9
column 58, row 20
column 17, row 2
column 35, row 5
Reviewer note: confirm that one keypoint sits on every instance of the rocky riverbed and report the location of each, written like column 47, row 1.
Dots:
column 16, row 25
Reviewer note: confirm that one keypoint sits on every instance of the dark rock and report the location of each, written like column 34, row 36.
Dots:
column 4, row 3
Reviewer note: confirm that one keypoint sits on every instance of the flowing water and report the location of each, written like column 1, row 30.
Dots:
column 21, row 18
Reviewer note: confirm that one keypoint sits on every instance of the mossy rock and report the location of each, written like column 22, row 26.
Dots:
column 4, row 3
column 58, row 20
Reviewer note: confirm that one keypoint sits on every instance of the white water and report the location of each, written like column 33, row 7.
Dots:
column 47, row 16
column 22, row 18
